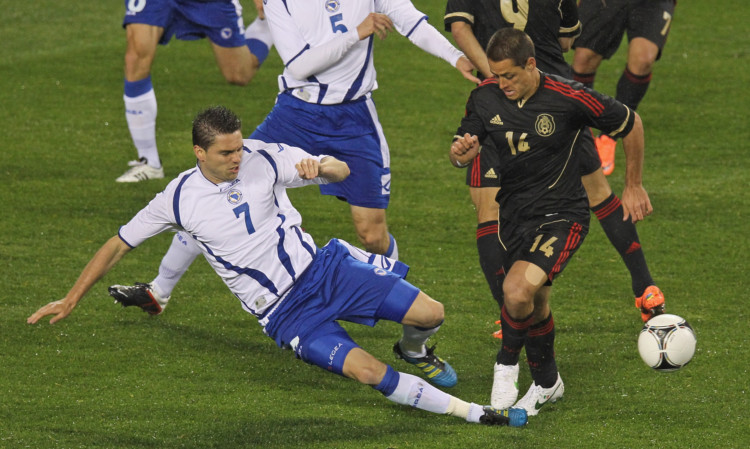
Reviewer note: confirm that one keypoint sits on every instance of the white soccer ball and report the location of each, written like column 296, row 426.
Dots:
column 667, row 342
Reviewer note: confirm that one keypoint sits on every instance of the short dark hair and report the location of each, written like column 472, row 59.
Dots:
column 212, row 122
column 510, row 43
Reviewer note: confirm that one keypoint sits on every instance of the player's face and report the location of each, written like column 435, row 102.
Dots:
column 516, row 82
column 221, row 161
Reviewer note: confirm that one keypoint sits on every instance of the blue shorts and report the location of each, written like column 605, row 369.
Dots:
column 187, row 20
column 336, row 287
column 349, row 132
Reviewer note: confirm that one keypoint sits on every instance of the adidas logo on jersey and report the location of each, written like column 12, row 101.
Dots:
column 490, row 174
column 496, row 120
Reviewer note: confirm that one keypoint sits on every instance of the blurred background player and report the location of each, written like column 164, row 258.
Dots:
column 552, row 25
column 534, row 119
column 647, row 23
column 239, row 53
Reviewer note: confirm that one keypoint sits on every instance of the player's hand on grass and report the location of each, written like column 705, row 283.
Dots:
column 60, row 309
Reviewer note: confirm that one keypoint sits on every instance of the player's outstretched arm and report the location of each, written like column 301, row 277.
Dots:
column 104, row 259
column 463, row 150
column 635, row 200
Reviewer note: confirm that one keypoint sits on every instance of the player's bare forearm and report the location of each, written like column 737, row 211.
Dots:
column 333, row 169
column 635, row 200
column 467, row 43
column 463, row 150
column 104, row 259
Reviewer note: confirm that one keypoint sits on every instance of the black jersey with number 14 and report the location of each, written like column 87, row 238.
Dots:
column 538, row 162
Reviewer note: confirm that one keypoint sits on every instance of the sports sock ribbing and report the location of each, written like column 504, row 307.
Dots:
column 587, row 79
column 631, row 88
column 258, row 39
column 624, row 237
column 514, row 335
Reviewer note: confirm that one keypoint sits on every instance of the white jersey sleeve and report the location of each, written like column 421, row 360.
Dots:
column 412, row 23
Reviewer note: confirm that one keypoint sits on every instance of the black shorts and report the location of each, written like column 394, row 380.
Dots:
column 482, row 171
column 548, row 244
column 604, row 23
column 589, row 157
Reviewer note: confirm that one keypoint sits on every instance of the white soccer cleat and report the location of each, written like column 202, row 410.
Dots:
column 537, row 397
column 504, row 386
column 140, row 171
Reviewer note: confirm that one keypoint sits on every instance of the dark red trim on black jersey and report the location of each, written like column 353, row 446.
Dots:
column 488, row 81
column 587, row 100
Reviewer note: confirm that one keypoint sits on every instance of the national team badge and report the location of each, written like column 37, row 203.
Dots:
column 226, row 33
column 379, row 271
column 234, row 196
column 545, row 125
column 332, row 5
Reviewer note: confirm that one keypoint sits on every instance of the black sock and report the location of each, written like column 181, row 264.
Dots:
column 631, row 88
column 488, row 246
column 587, row 79
column 514, row 334
column 540, row 352
column 624, row 237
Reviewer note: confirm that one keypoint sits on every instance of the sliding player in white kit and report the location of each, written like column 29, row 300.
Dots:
column 229, row 205
column 325, row 106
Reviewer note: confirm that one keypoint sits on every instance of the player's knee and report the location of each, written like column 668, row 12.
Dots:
column 374, row 242
column 516, row 293
column 435, row 314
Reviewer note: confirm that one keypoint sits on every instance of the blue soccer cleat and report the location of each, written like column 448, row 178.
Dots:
column 437, row 370
column 513, row 417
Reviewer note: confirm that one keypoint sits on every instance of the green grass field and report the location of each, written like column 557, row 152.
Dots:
column 202, row 375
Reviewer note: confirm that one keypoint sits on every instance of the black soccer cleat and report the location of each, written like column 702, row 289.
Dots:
column 141, row 295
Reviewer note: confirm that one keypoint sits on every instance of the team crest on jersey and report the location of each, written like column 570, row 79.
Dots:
column 545, row 125
column 226, row 33
column 379, row 271
column 332, row 5
column 234, row 196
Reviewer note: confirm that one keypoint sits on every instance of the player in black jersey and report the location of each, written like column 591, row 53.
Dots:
column 647, row 23
column 533, row 120
column 552, row 25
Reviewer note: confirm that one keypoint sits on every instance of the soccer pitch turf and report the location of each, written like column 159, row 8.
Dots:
column 202, row 375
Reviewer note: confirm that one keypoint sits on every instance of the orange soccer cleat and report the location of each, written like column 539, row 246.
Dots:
column 650, row 303
column 605, row 146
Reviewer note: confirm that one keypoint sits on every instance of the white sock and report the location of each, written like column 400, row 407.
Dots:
column 259, row 30
column 415, row 392
column 140, row 113
column 413, row 341
column 182, row 252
